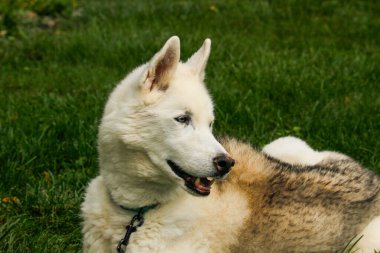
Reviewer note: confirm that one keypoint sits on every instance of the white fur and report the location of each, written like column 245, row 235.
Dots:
column 295, row 151
column 184, row 224
column 371, row 237
column 137, row 135
column 137, row 116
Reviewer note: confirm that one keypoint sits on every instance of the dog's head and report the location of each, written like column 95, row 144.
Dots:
column 163, row 110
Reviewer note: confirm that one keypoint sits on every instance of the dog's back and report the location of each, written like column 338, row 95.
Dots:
column 297, row 208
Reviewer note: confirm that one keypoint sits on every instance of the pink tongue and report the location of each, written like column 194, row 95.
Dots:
column 203, row 184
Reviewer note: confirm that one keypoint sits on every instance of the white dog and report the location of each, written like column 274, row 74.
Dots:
column 156, row 146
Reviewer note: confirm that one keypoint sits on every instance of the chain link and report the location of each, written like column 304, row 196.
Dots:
column 137, row 221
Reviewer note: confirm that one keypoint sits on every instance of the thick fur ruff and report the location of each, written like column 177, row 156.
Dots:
column 286, row 198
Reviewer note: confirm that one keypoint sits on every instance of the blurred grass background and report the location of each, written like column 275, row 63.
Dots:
column 305, row 68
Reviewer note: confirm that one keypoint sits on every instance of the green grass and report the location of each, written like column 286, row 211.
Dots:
column 306, row 68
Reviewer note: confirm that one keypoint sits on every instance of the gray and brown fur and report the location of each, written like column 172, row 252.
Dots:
column 296, row 208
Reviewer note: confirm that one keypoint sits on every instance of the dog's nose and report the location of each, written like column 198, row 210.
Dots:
column 223, row 164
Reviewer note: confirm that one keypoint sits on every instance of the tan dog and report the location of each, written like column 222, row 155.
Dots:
column 156, row 146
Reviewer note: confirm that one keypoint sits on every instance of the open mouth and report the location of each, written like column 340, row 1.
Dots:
column 198, row 185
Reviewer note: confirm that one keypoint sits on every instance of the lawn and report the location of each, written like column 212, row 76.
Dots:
column 304, row 68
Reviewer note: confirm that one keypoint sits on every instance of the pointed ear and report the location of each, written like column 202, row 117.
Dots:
column 162, row 66
column 198, row 60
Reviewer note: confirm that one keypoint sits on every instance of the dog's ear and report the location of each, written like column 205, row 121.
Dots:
column 162, row 66
column 198, row 60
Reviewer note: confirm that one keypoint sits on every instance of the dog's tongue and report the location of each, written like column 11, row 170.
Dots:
column 203, row 184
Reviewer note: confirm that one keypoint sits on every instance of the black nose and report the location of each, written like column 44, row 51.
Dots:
column 223, row 164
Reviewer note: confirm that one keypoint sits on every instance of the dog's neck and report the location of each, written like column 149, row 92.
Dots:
column 128, row 187
column 142, row 209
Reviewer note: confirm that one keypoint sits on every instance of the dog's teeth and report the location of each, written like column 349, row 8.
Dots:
column 210, row 178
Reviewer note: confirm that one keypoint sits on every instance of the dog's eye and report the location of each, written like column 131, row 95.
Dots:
column 183, row 119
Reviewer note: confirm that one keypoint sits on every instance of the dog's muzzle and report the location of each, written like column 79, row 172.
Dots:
column 202, row 185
